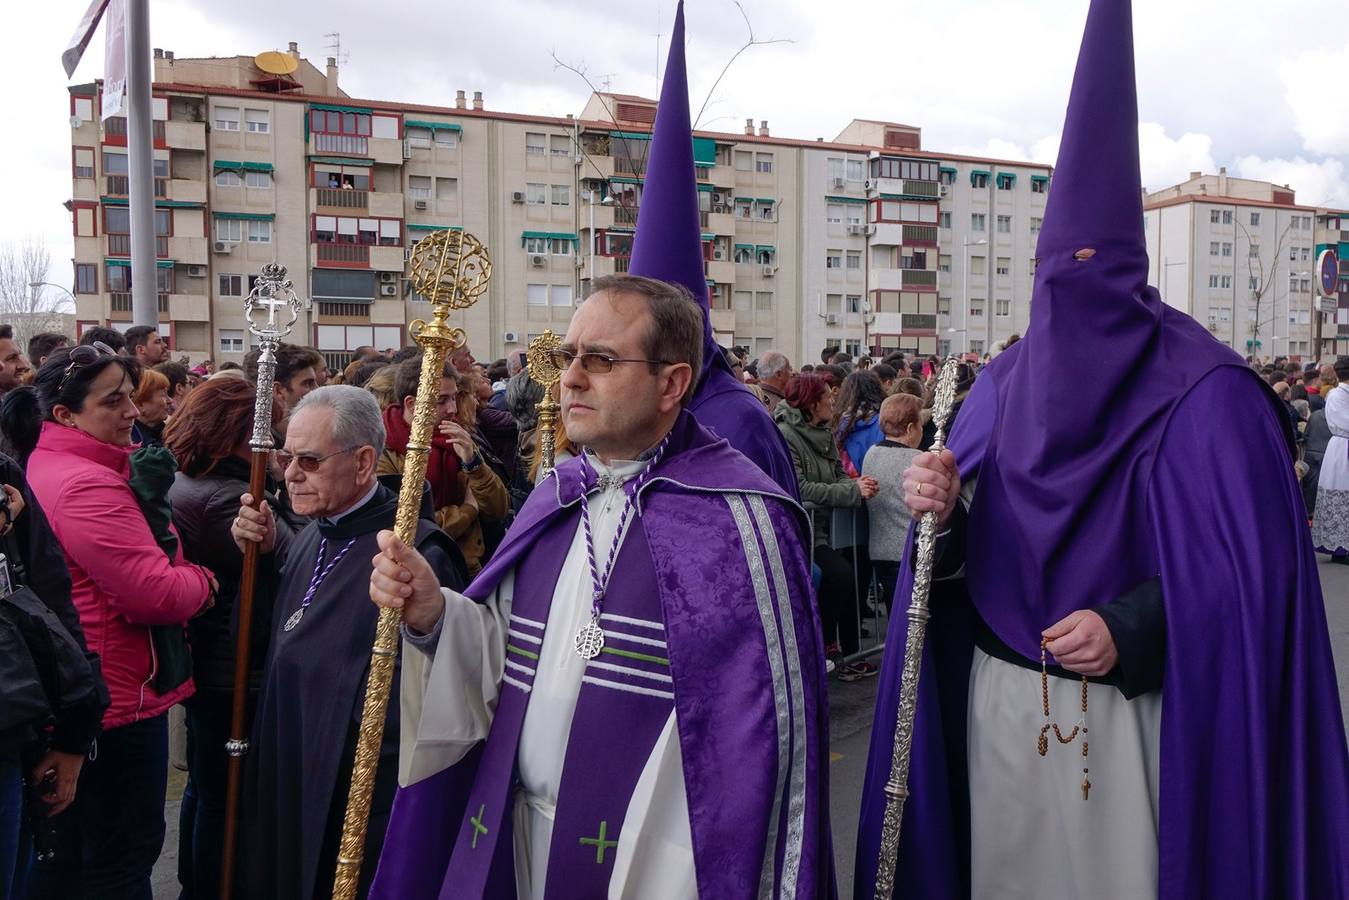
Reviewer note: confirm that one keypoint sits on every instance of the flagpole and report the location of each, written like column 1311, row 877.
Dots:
column 140, row 160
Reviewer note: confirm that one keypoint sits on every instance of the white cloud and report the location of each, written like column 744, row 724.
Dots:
column 1166, row 160
column 1311, row 83
column 1317, row 182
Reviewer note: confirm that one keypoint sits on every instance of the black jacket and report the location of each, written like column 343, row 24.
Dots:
column 45, row 571
column 203, row 510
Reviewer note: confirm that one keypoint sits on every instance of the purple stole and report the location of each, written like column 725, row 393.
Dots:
column 626, row 699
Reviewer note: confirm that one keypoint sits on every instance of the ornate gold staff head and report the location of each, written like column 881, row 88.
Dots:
column 540, row 361
column 451, row 270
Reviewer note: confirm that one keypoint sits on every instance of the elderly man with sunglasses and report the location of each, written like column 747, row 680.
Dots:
column 309, row 707
column 628, row 701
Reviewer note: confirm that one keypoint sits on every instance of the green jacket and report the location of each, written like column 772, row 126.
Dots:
column 819, row 473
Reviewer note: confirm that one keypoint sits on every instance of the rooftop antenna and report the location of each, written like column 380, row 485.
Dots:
column 335, row 48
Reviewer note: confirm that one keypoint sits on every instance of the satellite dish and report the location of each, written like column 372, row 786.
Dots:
column 76, row 121
column 274, row 62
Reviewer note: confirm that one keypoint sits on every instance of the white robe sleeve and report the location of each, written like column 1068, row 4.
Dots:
column 450, row 683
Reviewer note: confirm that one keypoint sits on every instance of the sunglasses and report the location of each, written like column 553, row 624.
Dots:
column 594, row 363
column 307, row 461
column 81, row 356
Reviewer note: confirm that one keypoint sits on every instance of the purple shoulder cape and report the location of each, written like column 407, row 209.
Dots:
column 748, row 667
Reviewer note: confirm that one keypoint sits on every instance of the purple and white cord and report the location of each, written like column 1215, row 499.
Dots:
column 320, row 573
column 590, row 639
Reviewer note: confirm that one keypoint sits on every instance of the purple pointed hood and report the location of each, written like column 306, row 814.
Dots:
column 669, row 244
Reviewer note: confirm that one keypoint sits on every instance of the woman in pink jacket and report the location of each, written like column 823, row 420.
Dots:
column 123, row 585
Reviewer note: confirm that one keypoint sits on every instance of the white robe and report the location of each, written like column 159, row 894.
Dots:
column 1330, row 526
column 450, row 685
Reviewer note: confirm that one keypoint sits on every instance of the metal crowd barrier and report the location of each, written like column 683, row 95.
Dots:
column 849, row 527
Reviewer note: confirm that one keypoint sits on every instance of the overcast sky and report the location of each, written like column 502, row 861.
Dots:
column 1254, row 86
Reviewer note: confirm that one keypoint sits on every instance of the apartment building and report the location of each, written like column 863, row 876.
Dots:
column 1240, row 257
column 1330, row 318
column 867, row 241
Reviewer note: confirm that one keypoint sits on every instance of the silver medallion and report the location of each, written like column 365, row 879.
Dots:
column 294, row 618
column 590, row 640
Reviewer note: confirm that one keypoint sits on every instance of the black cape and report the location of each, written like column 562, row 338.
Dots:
column 309, row 710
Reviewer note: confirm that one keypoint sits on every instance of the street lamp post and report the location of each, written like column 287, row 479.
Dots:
column 591, row 201
column 36, row 285
column 965, row 281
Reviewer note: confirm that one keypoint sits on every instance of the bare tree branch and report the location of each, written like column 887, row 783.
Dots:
column 752, row 42
column 25, row 302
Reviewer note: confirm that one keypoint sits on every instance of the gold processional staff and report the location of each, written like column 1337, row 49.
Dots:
column 451, row 269
column 543, row 370
column 897, row 787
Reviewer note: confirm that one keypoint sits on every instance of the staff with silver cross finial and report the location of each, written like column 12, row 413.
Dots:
column 271, row 310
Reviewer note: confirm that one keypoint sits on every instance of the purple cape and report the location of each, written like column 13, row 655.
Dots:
column 668, row 246
column 747, row 664
column 1155, row 464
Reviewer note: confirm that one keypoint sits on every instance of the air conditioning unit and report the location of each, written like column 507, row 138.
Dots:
column 719, row 210
column 420, row 204
column 866, row 185
column 857, row 229
column 511, row 337
column 224, row 247
column 718, row 197
column 388, row 277
column 943, row 189
column 767, row 270
column 388, row 290
column 868, row 318
column 831, row 319
column 537, row 260
column 196, row 271
column 840, row 182
column 718, row 254
column 517, row 196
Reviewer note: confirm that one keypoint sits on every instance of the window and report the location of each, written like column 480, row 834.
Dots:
column 1253, row 283
column 1227, row 282
column 1227, row 217
column 1004, row 265
column 1213, row 247
column 976, row 347
column 227, row 178
column 978, row 265
column 419, row 187
column 86, row 278
column 1036, row 223
column 833, row 213
column 535, row 144
column 559, row 294
column 84, row 162
column 834, row 167
column 947, row 176
column 164, row 222
column 259, row 231
column 944, row 220
column 258, row 180
column 335, row 122
column 536, row 294
column 742, row 301
column 763, row 301
column 231, row 230
column 536, row 194
column 943, row 306
column 854, row 259
column 744, row 161
column 744, row 254
column 562, row 247
column 445, row 139
column 853, row 303
column 1214, row 216
column 944, row 262
column 763, row 163
column 559, row 145
column 979, row 180
column 1306, row 251
column 1227, row 248
column 978, row 222
column 855, row 214
column 1213, row 281
column 976, row 308
column 231, row 340
column 536, row 245
column 1003, row 308
column 561, row 195
column 231, row 285
column 227, row 118
column 1039, row 185
column 1255, row 219
column 117, row 278
column 833, row 259
column 743, row 208
column 1255, row 251
column 1004, row 224
column 766, row 210
column 418, row 137
column 114, row 163
column 1005, row 181
column 1292, row 254
column 257, row 121
column 856, row 170
column 447, row 189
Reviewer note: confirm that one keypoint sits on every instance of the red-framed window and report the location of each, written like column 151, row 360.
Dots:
column 82, row 161
column 328, row 175
column 86, row 278
column 328, row 121
column 370, row 231
column 614, row 243
column 915, row 212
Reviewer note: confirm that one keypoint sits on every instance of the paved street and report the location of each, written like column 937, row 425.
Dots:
column 850, row 731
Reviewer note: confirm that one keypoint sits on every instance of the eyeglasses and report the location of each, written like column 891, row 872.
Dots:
column 595, row 363
column 81, row 356
column 307, row 461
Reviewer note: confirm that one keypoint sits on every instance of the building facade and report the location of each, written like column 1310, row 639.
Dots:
column 867, row 242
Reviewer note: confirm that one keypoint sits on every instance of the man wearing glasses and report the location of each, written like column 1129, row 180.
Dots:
column 309, row 708
column 628, row 701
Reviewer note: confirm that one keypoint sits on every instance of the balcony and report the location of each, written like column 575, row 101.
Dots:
column 342, row 256
column 337, row 198
column 387, row 151
column 919, row 279
column 722, row 271
column 120, row 305
column 186, row 190
column 187, row 307
column 909, row 188
column 387, row 259
column 184, row 249
column 720, row 223
column 723, row 320
column 610, row 265
column 343, row 144
column 917, row 324
column 185, row 136
column 625, row 216
column 596, row 166
column 603, row 216
column 628, row 165
column 119, row 186
column 385, row 203
column 919, row 235
column 120, row 245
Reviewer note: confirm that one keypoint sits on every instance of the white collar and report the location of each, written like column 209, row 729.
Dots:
column 357, row 505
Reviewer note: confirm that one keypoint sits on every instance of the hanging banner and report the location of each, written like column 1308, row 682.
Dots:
column 114, row 60
column 84, row 33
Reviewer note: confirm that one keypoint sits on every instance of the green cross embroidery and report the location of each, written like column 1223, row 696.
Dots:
column 478, row 826
column 599, row 843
